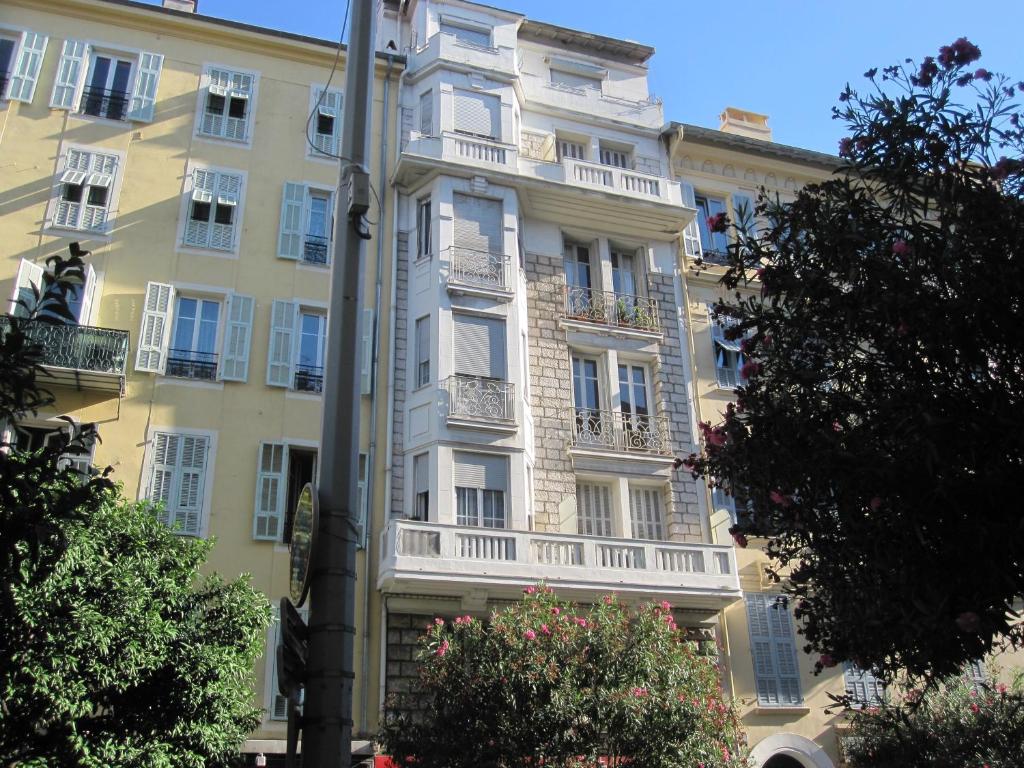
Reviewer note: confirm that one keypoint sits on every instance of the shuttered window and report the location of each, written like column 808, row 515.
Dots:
column 325, row 124
column 212, row 210
column 84, row 191
column 863, row 688
column 774, row 651
column 574, row 150
column 177, row 479
column 478, row 114
column 271, row 488
column 481, row 486
column 477, row 223
column 467, row 34
column 645, row 512
column 427, row 113
column 421, row 487
column 729, row 358
column 423, row 351
column 226, row 108
column 479, row 344
column 593, row 509
column 574, row 80
column 20, row 63
column 423, row 222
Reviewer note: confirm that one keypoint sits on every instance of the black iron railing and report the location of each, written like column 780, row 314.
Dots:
column 309, row 378
column 189, row 364
column 77, row 347
column 102, row 102
column 314, row 249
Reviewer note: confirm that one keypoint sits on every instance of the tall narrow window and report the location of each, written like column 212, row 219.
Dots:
column 575, row 150
column 639, row 429
column 226, row 106
column 477, row 114
column 421, row 487
column 479, row 344
column 427, row 113
column 624, row 277
column 309, row 368
column 481, row 485
column 192, row 354
column 645, row 513
column 423, row 214
column 863, row 688
column 177, row 479
column 85, row 190
column 212, row 207
column 106, row 91
column 617, row 158
column 713, row 243
column 423, row 351
column 325, row 125
column 728, row 352
column 319, row 218
column 774, row 650
column 593, row 509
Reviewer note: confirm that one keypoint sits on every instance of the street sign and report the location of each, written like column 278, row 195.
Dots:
column 292, row 651
column 304, row 525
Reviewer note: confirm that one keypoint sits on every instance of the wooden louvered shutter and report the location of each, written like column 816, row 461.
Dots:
column 189, row 512
column 147, row 79
column 163, row 468
column 478, row 114
column 282, row 341
column 70, row 75
column 645, row 511
column 27, row 287
column 691, row 235
column 761, row 648
column 237, row 336
column 25, row 73
column 479, row 346
column 593, row 509
column 271, row 486
column 155, row 331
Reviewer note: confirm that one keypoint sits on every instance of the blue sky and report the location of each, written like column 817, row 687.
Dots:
column 785, row 58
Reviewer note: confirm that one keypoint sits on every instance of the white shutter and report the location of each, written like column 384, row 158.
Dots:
column 330, row 104
column 229, row 190
column 155, row 331
column 427, row 113
column 645, row 511
column 774, row 651
column 362, row 502
column 204, row 185
column 593, row 510
column 70, row 75
column 479, row 346
column 477, row 223
column 25, row 73
column 237, row 335
column 29, row 275
column 574, row 80
column 289, row 242
column 189, row 511
column 478, row 114
column 480, row 470
column 691, row 235
column 468, row 35
column 271, row 486
column 76, row 171
column 147, row 79
column 163, row 468
column 366, row 352
column 103, row 168
column 282, row 339
column 743, row 213
column 88, row 295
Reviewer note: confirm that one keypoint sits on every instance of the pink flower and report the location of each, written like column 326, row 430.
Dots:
column 781, row 499
column 973, row 694
column 608, row 599
column 926, row 75
column 740, row 539
column 975, row 708
column 544, row 629
column 1001, row 687
column 716, row 223
column 749, row 369
column 969, row 622
column 845, row 147
column 582, row 622
column 439, row 622
column 639, row 692
column 529, row 590
column 555, row 611
column 837, row 427
column 901, row 248
column 960, row 53
column 725, row 753
column 530, row 634
column 458, row 620
column 666, row 605
column 442, row 649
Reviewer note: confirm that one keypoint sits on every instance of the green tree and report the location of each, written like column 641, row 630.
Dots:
column 546, row 682
column 879, row 436
column 114, row 651
column 955, row 724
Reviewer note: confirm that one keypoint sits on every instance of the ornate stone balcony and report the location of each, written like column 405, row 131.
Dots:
column 431, row 558
column 79, row 356
column 475, row 401
column 614, row 431
column 613, row 310
column 472, row 271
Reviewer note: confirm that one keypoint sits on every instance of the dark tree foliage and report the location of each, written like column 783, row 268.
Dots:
column 879, row 436
column 113, row 651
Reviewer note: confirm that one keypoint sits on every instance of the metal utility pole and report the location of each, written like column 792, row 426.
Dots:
column 327, row 713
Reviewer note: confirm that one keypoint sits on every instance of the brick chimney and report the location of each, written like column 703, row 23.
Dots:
column 188, row 6
column 743, row 123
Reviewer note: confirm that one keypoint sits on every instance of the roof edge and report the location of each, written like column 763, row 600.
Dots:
column 710, row 137
column 601, row 45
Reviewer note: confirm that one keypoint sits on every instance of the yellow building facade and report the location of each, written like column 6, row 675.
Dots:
column 193, row 157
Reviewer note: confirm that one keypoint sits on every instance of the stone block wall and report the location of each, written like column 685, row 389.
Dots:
column 401, row 333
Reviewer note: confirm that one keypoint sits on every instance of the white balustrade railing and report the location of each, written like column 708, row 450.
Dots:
column 476, row 149
column 615, row 179
column 416, row 549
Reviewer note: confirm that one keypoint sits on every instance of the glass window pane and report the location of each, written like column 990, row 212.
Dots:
column 494, row 509
column 317, row 216
column 122, row 74
column 98, row 196
column 466, row 511
column 100, row 72
column 207, row 339
column 185, row 324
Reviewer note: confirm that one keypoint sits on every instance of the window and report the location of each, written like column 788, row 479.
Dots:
column 645, row 513
column 577, row 81
column 423, row 222
column 712, row 243
column 721, row 501
column 467, row 33
column 309, row 368
column 976, row 675
column 593, row 509
column 212, row 209
column 575, row 150
column 179, row 336
column 21, row 56
column 481, row 483
column 863, row 688
column 281, row 473
column 477, row 232
column 85, row 191
column 192, row 354
column 28, row 438
column 297, row 347
column 578, row 269
column 422, row 351
column 427, row 113
column 585, row 387
column 729, row 358
column 227, row 104
column 177, row 479
column 479, row 345
column 421, row 487
column 618, row 158
column 624, row 274
column 116, row 86
column 307, row 224
column 477, row 114
column 34, row 281
column 774, row 650
column 325, row 127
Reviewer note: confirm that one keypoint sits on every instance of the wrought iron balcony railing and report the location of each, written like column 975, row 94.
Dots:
column 190, row 364
column 616, row 310
column 618, row 431
column 487, row 400
column 101, row 102
column 78, row 350
column 480, row 269
column 309, row 378
column 314, row 250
